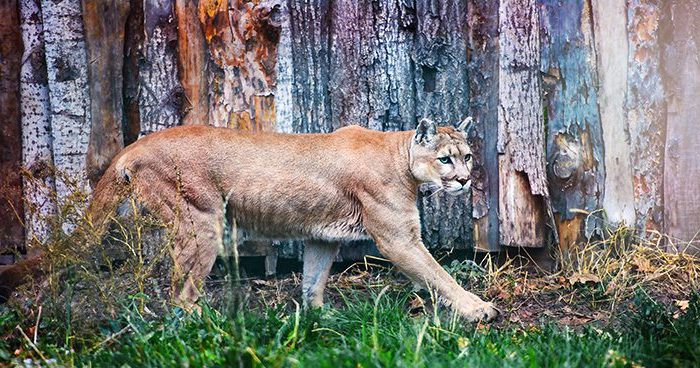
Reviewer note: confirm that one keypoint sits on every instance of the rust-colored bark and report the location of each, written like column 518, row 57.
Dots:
column 242, row 40
column 193, row 63
column 11, row 48
column 104, row 22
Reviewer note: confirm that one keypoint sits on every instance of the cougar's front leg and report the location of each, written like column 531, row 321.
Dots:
column 397, row 235
column 318, row 259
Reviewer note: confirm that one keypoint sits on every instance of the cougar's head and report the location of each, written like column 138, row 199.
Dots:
column 440, row 156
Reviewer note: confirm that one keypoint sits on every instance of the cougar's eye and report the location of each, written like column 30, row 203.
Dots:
column 445, row 160
column 468, row 157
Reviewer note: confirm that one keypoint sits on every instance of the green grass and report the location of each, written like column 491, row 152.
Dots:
column 366, row 331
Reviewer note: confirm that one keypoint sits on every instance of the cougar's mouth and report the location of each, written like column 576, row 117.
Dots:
column 453, row 187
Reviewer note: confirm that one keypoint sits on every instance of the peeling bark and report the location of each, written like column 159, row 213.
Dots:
column 646, row 112
column 522, row 179
column 574, row 141
column 242, row 38
column 66, row 64
column 193, row 66
column 104, row 34
column 39, row 187
column 11, row 49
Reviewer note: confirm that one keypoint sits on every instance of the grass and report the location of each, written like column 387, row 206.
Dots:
column 616, row 301
column 366, row 331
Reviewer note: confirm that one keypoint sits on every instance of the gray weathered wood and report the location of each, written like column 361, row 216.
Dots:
column 681, row 73
column 38, row 186
column 523, row 182
column 482, row 58
column 611, row 46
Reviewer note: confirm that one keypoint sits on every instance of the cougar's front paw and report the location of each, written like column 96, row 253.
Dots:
column 485, row 312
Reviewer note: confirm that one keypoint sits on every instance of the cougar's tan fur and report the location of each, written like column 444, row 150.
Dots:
column 352, row 184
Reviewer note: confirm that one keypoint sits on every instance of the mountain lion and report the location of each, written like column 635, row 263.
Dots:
column 352, row 184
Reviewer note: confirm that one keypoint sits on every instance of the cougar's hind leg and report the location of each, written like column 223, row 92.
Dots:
column 318, row 259
column 198, row 240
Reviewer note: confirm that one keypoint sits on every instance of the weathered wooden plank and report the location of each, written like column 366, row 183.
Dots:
column 482, row 58
column 66, row 64
column 681, row 77
column 522, row 176
column 11, row 49
column 104, row 23
column 242, row 39
column 38, row 186
column 646, row 112
column 193, row 63
column 160, row 92
column 576, row 169
column 611, row 47
column 442, row 94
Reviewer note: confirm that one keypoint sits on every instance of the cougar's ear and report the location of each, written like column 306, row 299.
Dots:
column 465, row 125
column 425, row 131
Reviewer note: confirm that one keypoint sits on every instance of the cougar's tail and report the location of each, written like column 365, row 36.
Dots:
column 108, row 193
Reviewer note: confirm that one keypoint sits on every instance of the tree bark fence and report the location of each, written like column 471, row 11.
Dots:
column 581, row 106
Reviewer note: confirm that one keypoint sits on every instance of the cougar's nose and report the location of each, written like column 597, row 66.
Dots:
column 462, row 181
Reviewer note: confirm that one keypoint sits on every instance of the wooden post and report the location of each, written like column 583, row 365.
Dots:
column 11, row 49
column 522, row 179
column 681, row 73
column 104, row 22
column 646, row 116
column 611, row 52
column 482, row 59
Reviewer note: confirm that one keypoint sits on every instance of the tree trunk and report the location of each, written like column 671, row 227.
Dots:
column 523, row 182
column 193, row 66
column 160, row 93
column 39, row 187
column 66, row 64
column 11, row 209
